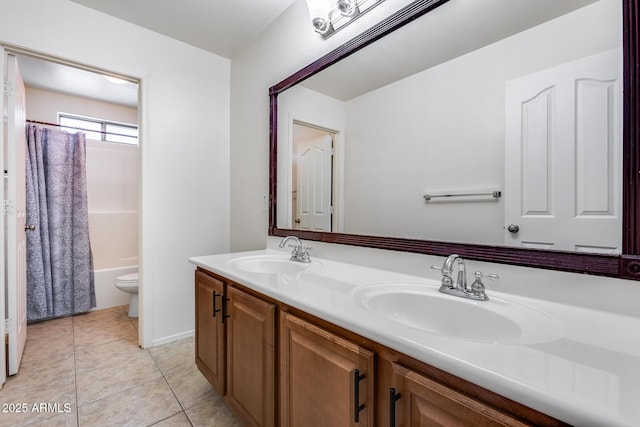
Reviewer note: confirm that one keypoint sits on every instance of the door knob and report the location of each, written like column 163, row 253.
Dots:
column 297, row 221
column 30, row 227
column 513, row 228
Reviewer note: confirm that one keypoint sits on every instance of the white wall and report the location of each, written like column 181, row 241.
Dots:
column 184, row 142
column 44, row 105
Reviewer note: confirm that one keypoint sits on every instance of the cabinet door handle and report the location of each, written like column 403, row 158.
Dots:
column 393, row 398
column 224, row 308
column 357, row 407
column 215, row 310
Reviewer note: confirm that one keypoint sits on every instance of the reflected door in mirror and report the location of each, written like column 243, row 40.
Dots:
column 563, row 156
column 312, row 173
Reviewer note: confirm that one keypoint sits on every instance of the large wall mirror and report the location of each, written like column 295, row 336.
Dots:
column 502, row 130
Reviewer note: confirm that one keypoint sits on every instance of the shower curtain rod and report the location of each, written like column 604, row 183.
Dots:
column 104, row 132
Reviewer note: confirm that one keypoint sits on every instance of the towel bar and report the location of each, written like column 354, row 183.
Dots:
column 495, row 194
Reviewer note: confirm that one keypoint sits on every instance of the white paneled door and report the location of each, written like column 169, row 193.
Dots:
column 563, row 142
column 15, row 213
column 314, row 177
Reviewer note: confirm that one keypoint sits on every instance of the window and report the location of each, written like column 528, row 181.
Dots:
column 102, row 130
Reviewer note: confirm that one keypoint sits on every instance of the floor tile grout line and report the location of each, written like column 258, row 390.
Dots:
column 118, row 392
column 29, row 422
column 184, row 410
column 123, row 390
column 165, row 379
column 171, row 416
column 76, row 327
column 85, row 348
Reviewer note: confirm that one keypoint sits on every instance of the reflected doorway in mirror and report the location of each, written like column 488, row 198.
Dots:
column 312, row 177
column 563, row 156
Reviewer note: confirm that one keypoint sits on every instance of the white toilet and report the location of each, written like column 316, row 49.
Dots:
column 129, row 283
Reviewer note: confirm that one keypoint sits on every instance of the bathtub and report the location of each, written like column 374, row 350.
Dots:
column 114, row 244
column 107, row 295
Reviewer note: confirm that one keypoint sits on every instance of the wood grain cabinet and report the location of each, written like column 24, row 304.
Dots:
column 276, row 365
column 210, row 330
column 325, row 379
column 235, row 348
column 418, row 401
column 251, row 358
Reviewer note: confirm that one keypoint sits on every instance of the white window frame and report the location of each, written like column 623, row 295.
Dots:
column 103, row 134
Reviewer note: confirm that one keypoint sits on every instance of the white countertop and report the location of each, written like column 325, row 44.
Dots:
column 587, row 375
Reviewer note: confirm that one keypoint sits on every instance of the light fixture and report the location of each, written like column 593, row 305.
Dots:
column 115, row 80
column 328, row 16
column 319, row 11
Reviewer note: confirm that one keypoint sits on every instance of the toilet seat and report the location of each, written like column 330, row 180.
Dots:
column 127, row 278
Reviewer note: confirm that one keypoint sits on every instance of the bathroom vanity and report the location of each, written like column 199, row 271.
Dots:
column 288, row 343
column 331, row 343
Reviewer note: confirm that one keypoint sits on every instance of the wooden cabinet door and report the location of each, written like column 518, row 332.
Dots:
column 210, row 330
column 424, row 402
column 318, row 372
column 251, row 358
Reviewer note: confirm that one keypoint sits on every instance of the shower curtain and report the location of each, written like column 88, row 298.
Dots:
column 60, row 278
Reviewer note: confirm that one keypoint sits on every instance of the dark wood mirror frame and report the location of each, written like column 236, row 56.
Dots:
column 625, row 266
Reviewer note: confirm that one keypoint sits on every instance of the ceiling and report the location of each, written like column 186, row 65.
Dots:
column 223, row 27
column 42, row 74
column 219, row 26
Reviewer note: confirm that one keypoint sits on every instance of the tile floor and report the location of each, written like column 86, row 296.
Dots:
column 87, row 370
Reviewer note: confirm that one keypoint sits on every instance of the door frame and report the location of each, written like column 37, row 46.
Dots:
column 144, row 287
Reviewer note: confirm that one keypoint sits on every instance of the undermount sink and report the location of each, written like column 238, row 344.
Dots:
column 422, row 307
column 268, row 264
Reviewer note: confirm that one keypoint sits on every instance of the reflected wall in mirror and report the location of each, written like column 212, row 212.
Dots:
column 526, row 101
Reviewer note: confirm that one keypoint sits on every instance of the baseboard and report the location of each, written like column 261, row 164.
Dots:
column 171, row 338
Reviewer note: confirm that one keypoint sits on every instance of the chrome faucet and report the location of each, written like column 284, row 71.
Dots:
column 300, row 253
column 459, row 287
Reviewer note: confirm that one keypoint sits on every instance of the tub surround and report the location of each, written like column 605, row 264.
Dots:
column 587, row 374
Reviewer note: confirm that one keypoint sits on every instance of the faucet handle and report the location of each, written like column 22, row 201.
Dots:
column 447, row 280
column 303, row 254
column 480, row 275
column 477, row 287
